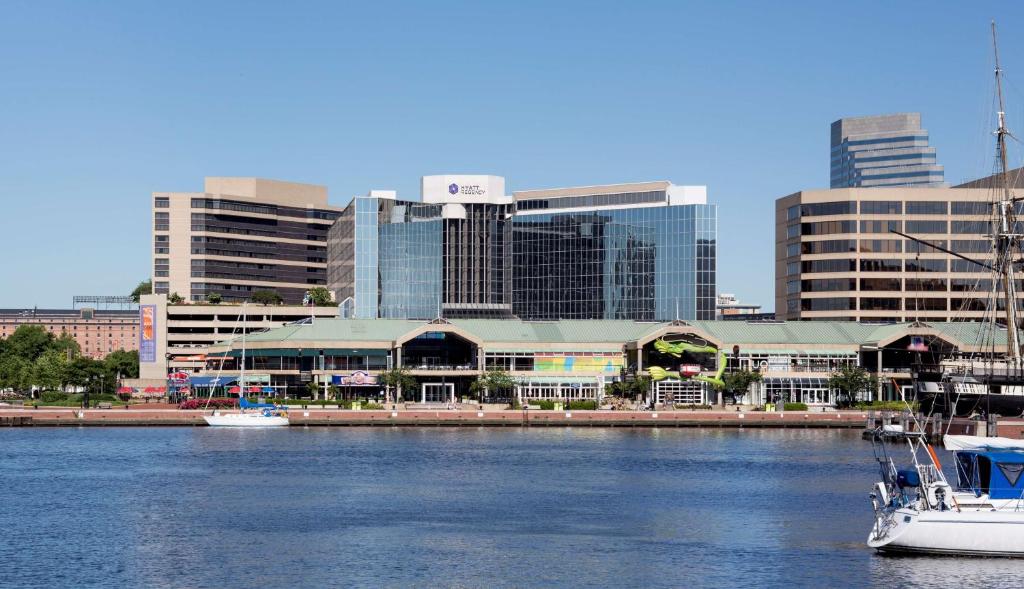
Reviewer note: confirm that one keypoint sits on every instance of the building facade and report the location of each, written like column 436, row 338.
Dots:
column 97, row 332
column 641, row 251
column 175, row 338
column 241, row 235
column 837, row 258
column 882, row 150
column 575, row 360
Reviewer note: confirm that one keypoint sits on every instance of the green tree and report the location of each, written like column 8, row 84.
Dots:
column 29, row 342
column 123, row 363
column 84, row 370
column 738, row 382
column 14, row 373
column 51, row 370
column 321, row 297
column 492, row 383
column 144, row 288
column 66, row 344
column 852, row 382
column 266, row 297
column 213, row 298
column 398, row 380
column 175, row 299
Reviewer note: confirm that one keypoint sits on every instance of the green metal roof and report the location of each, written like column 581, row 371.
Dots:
column 498, row 333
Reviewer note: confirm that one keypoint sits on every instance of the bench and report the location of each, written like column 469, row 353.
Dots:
column 104, row 405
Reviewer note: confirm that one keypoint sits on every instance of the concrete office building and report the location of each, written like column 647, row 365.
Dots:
column 882, row 150
column 241, row 235
column 175, row 338
column 643, row 251
column 836, row 258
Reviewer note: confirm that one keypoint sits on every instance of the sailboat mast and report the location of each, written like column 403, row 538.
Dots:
column 1006, row 239
column 241, row 373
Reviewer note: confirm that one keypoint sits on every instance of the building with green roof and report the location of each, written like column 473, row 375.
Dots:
column 576, row 359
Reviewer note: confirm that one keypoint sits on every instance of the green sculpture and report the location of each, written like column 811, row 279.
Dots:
column 677, row 349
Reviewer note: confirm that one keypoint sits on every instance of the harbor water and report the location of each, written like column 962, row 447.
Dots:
column 462, row 507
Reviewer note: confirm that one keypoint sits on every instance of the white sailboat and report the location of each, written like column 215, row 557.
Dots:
column 918, row 511
column 248, row 414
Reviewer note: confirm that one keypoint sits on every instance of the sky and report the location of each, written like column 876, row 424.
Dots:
column 103, row 103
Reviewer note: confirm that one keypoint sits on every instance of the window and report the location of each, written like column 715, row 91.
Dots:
column 879, row 246
column 927, row 207
column 829, row 208
column 813, row 266
column 927, row 227
column 926, row 266
column 161, row 202
column 971, row 208
column 889, row 265
column 828, row 227
column 958, row 265
column 980, row 227
column 915, row 304
column 916, row 247
column 792, row 286
column 792, row 212
column 792, row 231
column 879, row 304
column 793, row 269
column 881, row 207
column 880, row 284
column 925, row 284
column 831, row 246
column 792, row 249
column 970, row 285
column 971, row 246
column 828, row 285
column 827, row 304
column 880, row 226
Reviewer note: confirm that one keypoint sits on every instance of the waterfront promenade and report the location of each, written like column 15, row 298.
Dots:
column 169, row 416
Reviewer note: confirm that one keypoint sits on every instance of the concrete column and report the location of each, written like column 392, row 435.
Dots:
column 423, row 392
column 878, row 393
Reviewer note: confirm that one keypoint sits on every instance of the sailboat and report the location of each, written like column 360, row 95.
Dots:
column 248, row 414
column 917, row 510
column 992, row 383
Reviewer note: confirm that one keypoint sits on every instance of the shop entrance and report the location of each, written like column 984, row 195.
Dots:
column 437, row 392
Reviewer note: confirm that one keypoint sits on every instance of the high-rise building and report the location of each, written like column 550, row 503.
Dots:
column 883, row 150
column 241, row 235
column 642, row 251
column 837, row 258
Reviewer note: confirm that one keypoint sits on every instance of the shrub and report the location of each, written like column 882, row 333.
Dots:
column 794, row 407
column 214, row 403
column 692, row 407
column 544, row 404
column 53, row 397
column 583, row 405
column 887, row 406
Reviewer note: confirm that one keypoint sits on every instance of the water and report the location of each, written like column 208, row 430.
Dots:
column 463, row 507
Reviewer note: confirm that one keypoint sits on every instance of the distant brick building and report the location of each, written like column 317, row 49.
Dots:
column 97, row 332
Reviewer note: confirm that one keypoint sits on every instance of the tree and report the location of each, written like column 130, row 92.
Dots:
column 739, row 381
column 493, row 383
column 175, row 299
column 145, row 287
column 213, row 298
column 51, row 370
column 266, row 297
column 66, row 344
column 320, row 297
column 83, row 370
column 123, row 363
column 397, row 379
column 851, row 382
column 29, row 342
column 14, row 373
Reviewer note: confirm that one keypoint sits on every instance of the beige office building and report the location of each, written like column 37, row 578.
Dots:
column 241, row 235
column 837, row 259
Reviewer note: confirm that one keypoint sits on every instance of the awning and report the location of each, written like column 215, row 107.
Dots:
column 212, row 381
column 955, row 443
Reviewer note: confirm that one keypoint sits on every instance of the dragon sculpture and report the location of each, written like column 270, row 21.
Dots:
column 677, row 349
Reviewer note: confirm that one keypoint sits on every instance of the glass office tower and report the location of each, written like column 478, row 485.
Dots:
column 614, row 252
column 641, row 251
column 882, row 150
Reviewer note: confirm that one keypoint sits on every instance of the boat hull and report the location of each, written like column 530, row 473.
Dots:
column 965, row 533
column 245, row 420
column 966, row 404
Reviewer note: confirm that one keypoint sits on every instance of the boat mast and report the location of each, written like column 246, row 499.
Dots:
column 1006, row 239
column 241, row 373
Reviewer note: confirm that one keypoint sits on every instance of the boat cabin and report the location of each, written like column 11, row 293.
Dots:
column 996, row 474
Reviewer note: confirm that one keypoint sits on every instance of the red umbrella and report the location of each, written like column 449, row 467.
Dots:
column 234, row 390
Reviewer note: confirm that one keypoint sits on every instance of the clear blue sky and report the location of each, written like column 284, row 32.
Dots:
column 104, row 102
